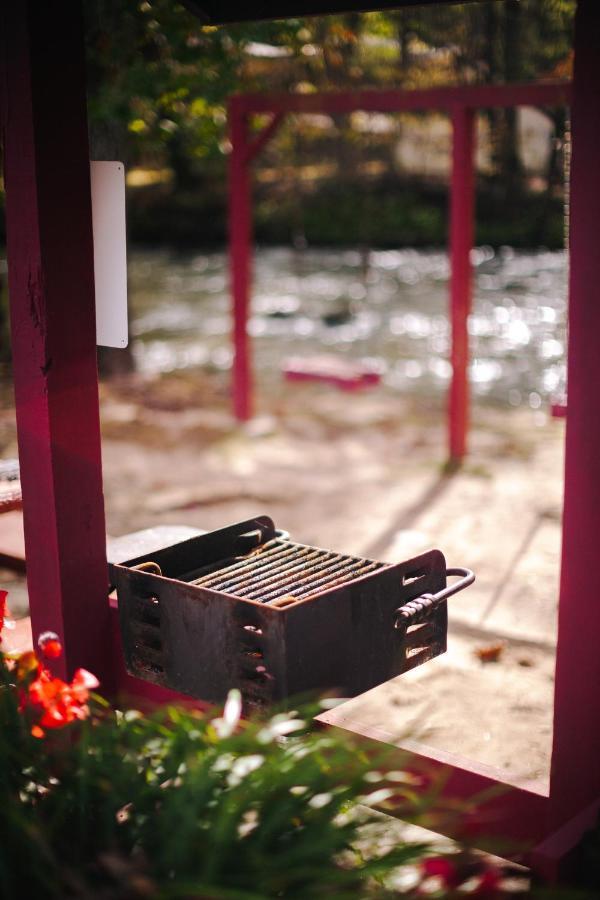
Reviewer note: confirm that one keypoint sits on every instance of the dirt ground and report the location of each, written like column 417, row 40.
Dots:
column 364, row 474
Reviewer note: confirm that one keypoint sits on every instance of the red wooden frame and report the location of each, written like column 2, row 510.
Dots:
column 461, row 103
column 52, row 309
column 53, row 327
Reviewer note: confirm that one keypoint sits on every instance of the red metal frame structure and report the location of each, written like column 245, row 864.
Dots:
column 46, row 169
column 461, row 103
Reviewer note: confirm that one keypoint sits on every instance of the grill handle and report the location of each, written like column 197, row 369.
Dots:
column 414, row 611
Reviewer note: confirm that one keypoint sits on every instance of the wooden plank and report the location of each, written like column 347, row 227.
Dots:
column 474, row 96
column 489, row 806
column 51, row 286
column 149, row 540
column 551, row 860
column 575, row 773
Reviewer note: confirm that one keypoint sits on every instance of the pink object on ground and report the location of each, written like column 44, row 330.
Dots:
column 349, row 376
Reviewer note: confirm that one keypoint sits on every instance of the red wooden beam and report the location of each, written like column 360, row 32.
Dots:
column 461, row 243
column 486, row 807
column 51, row 286
column 240, row 236
column 575, row 776
column 260, row 141
column 474, row 96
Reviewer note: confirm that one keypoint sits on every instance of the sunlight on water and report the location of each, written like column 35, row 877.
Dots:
column 387, row 307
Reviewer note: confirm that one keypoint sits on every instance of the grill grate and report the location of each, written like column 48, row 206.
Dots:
column 282, row 571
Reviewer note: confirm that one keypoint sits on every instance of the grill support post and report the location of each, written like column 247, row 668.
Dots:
column 575, row 774
column 461, row 243
column 52, row 307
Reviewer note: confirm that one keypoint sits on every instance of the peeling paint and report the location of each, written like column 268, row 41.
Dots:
column 36, row 293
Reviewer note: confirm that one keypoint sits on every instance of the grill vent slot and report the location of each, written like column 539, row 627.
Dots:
column 145, row 628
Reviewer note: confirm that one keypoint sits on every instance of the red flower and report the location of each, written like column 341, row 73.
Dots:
column 3, row 611
column 58, row 701
column 443, row 868
column 53, row 702
column 3, row 596
column 50, row 645
column 489, row 883
column 48, row 702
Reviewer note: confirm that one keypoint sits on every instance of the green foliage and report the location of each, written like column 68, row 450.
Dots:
column 178, row 805
column 157, row 79
column 389, row 213
column 161, row 80
column 159, row 83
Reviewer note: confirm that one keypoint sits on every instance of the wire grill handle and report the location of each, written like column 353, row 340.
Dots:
column 414, row 611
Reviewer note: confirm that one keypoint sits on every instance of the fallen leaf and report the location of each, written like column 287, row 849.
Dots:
column 490, row 653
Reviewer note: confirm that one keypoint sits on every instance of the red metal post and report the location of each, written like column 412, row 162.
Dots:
column 575, row 771
column 51, row 285
column 461, row 242
column 240, row 232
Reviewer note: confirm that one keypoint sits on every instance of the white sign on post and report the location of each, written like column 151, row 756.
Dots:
column 110, row 253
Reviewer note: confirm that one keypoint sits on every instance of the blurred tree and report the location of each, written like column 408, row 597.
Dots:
column 159, row 80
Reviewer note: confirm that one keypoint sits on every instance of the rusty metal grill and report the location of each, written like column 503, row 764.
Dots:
column 246, row 607
column 281, row 572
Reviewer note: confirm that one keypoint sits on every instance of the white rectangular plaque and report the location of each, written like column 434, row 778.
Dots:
column 110, row 253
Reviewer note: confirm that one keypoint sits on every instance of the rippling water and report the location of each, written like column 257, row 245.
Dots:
column 388, row 308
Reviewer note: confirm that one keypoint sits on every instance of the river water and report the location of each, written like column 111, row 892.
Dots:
column 387, row 308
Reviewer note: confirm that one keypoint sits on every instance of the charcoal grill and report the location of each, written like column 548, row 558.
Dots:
column 247, row 607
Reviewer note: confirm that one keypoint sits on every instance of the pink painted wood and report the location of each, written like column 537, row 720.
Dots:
column 461, row 102
column 51, row 294
column 240, row 230
column 461, row 243
column 548, row 93
column 574, row 793
column 254, row 147
column 575, row 776
column 471, row 801
column 51, row 285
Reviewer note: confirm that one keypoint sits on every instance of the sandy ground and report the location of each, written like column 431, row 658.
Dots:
column 363, row 473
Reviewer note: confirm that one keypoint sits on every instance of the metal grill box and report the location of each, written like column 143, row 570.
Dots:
column 246, row 607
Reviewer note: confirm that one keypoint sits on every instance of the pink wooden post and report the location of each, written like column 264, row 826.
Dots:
column 461, row 242
column 575, row 774
column 51, row 284
column 239, row 249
